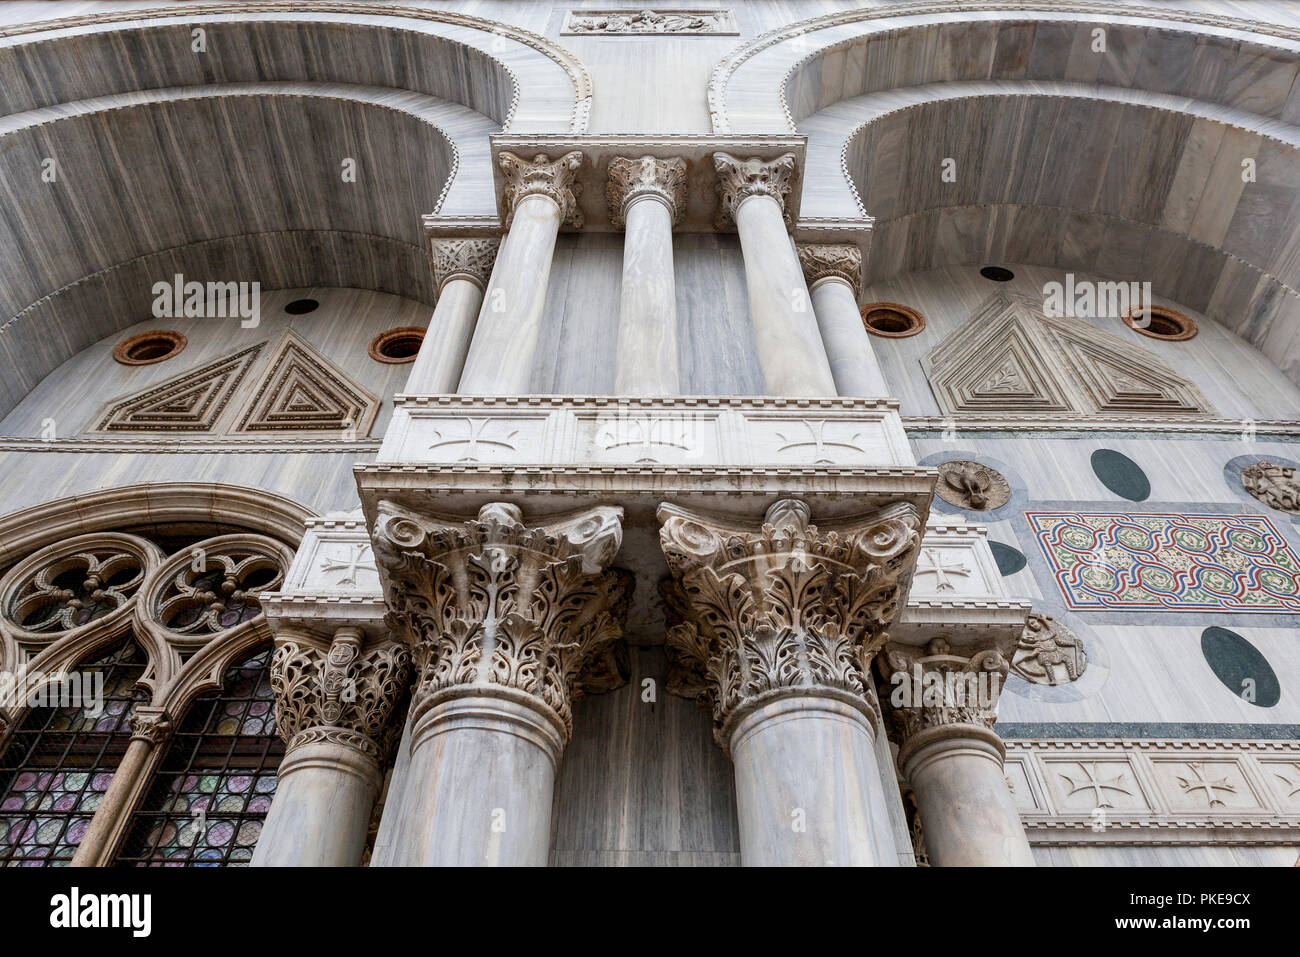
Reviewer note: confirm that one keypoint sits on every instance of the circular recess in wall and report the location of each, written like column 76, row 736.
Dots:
column 397, row 345
column 997, row 273
column 149, row 347
column 1163, row 323
column 1240, row 666
column 1009, row 558
column 892, row 320
column 300, row 307
column 1121, row 475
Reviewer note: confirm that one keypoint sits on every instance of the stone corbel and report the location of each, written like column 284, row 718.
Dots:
column 494, row 607
column 542, row 176
column 633, row 180
column 470, row 259
column 742, row 178
column 821, row 261
column 783, row 609
column 345, row 691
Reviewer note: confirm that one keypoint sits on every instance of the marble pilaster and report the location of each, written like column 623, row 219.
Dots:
column 508, row 624
column 753, row 193
column 461, row 270
column 778, row 627
column 834, row 276
column 646, row 196
column 335, row 707
column 539, row 198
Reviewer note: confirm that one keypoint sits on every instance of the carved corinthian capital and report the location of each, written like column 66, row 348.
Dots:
column 470, row 259
column 944, row 688
column 785, row 609
column 831, row 261
column 542, row 176
column 492, row 607
column 739, row 179
column 345, row 691
column 150, row 725
column 648, row 177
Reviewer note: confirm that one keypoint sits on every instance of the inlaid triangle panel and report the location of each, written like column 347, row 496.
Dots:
column 302, row 391
column 189, row 402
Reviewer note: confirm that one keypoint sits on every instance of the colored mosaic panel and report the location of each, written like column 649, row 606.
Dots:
column 214, row 786
column 1166, row 562
column 59, row 762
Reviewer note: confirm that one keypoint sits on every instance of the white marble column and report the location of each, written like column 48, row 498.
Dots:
column 334, row 706
column 461, row 269
column 834, row 276
column 506, row 623
column 790, row 350
column 539, row 197
column 646, row 196
column 779, row 624
column 944, row 700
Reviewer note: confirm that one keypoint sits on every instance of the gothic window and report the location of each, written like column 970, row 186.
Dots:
column 213, row 788
column 61, row 756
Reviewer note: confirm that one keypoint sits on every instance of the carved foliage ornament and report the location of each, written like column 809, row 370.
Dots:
column 1274, row 485
column 831, row 261
column 939, row 685
column 782, row 609
column 649, row 176
column 739, row 179
column 542, row 176
column 971, row 485
column 346, row 693
column 494, row 603
column 1048, row 653
column 470, row 259
column 641, row 22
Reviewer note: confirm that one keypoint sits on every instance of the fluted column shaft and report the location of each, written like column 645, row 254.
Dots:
column 506, row 624
column 540, row 197
column 150, row 729
column 777, row 630
column 790, row 349
column 334, row 706
column 943, row 698
column 834, row 273
column 462, row 268
column 647, row 196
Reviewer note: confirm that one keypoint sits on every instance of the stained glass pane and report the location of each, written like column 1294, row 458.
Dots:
column 61, row 757
column 214, row 786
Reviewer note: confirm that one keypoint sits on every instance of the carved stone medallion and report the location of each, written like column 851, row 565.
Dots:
column 1274, row 485
column 1048, row 653
column 970, row 485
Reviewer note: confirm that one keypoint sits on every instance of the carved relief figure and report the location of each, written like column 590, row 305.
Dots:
column 1274, row 485
column 1048, row 653
column 968, row 484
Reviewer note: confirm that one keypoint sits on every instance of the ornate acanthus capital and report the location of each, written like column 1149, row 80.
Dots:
column 492, row 606
column 470, row 259
column 785, row 608
column 149, row 724
column 739, row 179
column 346, row 691
column 543, row 176
column 943, row 685
column 648, row 177
column 832, row 261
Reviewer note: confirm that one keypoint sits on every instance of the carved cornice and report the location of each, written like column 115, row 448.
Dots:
column 942, row 689
column 470, row 259
column 832, row 261
column 739, row 179
column 346, row 692
column 785, row 609
column 542, row 176
column 150, row 726
column 492, row 605
column 648, row 177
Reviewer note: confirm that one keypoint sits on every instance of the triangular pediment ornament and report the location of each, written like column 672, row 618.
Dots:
column 302, row 391
column 1010, row 359
column 189, row 402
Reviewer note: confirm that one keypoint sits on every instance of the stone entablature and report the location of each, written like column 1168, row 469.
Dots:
column 596, row 431
column 1156, row 790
